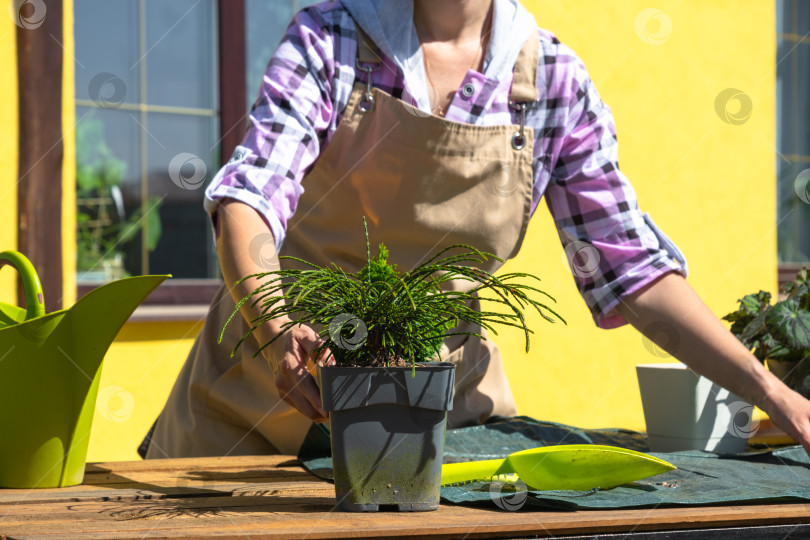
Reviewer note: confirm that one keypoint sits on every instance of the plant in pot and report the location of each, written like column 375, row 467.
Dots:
column 779, row 333
column 387, row 396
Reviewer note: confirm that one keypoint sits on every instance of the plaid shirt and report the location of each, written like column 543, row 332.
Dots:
column 613, row 248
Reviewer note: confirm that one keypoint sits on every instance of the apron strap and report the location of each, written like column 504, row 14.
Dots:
column 366, row 50
column 524, row 74
column 366, row 54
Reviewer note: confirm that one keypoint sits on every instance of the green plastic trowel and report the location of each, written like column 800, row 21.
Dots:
column 50, row 367
column 579, row 467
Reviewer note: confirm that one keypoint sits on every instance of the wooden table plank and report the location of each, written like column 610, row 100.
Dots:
column 309, row 517
column 270, row 496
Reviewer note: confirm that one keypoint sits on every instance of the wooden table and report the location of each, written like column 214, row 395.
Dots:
column 272, row 496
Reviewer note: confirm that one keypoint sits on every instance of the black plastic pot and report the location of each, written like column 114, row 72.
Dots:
column 387, row 434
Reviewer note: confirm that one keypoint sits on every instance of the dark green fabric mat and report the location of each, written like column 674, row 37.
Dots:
column 702, row 478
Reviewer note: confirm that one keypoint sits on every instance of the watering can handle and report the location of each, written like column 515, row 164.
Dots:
column 34, row 300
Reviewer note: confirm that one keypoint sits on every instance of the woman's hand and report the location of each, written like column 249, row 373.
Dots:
column 289, row 358
column 791, row 412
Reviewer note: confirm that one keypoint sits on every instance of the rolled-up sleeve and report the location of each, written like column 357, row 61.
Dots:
column 286, row 127
column 613, row 249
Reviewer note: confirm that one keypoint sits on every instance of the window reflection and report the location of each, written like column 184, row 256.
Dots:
column 146, row 92
column 793, row 130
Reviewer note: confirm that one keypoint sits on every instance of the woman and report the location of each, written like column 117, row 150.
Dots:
column 502, row 115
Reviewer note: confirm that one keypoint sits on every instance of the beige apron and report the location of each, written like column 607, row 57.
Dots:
column 423, row 183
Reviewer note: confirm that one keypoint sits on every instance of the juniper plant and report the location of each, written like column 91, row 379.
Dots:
column 378, row 316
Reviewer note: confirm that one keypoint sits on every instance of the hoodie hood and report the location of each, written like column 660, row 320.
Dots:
column 389, row 24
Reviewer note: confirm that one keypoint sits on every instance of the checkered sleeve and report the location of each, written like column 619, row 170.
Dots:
column 286, row 126
column 612, row 248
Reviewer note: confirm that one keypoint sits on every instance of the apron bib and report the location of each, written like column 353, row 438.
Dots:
column 423, row 183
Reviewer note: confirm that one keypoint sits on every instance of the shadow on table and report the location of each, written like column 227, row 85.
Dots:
column 213, row 506
column 96, row 475
column 206, row 492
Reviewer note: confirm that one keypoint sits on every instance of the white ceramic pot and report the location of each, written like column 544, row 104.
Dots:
column 685, row 411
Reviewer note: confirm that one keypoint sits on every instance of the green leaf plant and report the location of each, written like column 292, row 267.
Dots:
column 381, row 317
column 780, row 331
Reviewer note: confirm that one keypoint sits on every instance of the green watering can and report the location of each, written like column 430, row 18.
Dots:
column 50, row 367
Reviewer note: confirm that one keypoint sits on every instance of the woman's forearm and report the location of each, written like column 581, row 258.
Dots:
column 242, row 233
column 671, row 314
column 239, row 226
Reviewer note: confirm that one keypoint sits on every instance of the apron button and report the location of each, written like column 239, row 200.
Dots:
column 468, row 90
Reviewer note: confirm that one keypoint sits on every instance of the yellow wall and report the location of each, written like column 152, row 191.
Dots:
column 708, row 184
column 69, row 162
column 138, row 374
column 8, row 154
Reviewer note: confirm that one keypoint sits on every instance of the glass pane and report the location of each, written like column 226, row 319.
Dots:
column 801, row 113
column 265, row 24
column 793, row 99
column 181, row 57
column 182, row 158
column 793, row 131
column 793, row 213
column 785, row 96
column 801, row 17
column 124, row 154
column 108, row 173
column 106, row 35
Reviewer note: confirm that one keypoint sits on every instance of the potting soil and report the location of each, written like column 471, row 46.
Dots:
column 758, row 476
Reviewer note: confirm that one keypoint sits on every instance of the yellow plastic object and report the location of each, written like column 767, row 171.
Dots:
column 575, row 466
column 50, row 367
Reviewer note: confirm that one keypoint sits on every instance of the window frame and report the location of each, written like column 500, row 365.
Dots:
column 40, row 152
column 188, row 299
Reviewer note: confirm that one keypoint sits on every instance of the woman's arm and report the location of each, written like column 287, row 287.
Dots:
column 698, row 339
column 239, row 224
column 256, row 192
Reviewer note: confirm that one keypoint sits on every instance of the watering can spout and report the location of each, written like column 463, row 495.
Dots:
column 49, row 378
column 89, row 327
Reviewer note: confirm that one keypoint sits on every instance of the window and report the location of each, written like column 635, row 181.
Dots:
column 162, row 89
column 147, row 136
column 793, row 133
